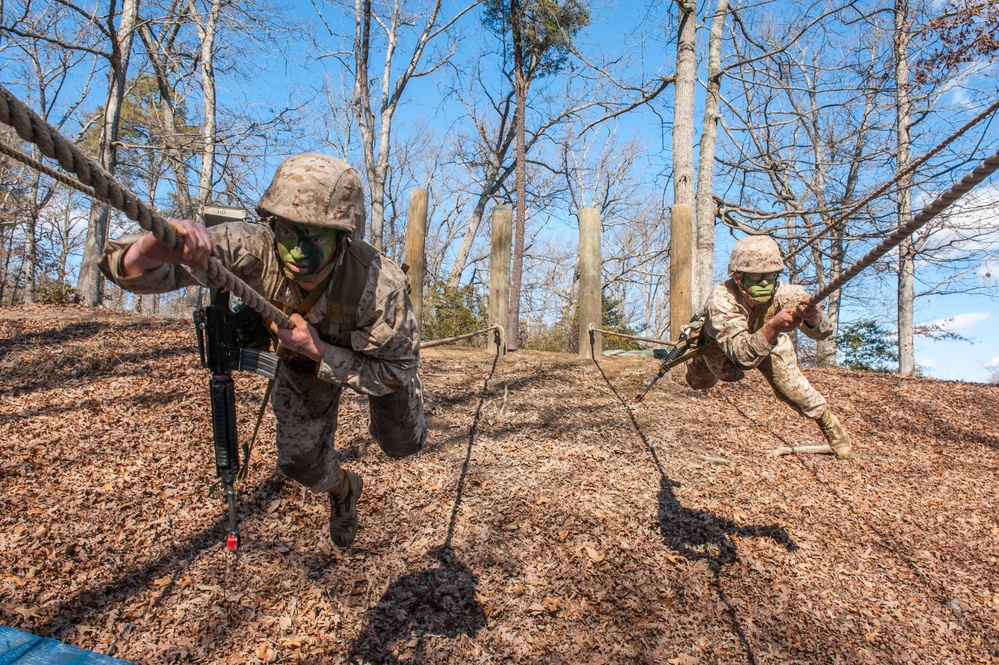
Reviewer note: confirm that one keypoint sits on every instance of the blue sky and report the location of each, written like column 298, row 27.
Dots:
column 972, row 317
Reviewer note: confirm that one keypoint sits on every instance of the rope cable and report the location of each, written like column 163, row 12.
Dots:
column 904, row 172
column 941, row 203
column 34, row 129
column 42, row 168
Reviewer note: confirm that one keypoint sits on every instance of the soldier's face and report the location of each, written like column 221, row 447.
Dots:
column 759, row 286
column 304, row 251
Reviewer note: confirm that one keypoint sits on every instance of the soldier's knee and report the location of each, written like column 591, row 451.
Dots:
column 700, row 381
column 305, row 473
column 398, row 444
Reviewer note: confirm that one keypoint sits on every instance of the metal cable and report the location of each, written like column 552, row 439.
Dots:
column 448, row 340
column 653, row 340
column 34, row 129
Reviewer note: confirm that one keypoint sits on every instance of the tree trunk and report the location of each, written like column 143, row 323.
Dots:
column 90, row 282
column 520, row 180
column 30, row 240
column 825, row 350
column 206, row 32
column 461, row 258
column 494, row 178
column 906, row 251
column 683, row 167
column 704, row 231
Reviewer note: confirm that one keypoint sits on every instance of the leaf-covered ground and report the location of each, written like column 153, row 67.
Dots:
column 546, row 522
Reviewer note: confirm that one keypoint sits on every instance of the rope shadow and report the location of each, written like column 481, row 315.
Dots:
column 698, row 535
column 439, row 601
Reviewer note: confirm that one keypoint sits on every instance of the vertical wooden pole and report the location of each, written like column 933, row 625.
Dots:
column 499, row 272
column 414, row 262
column 590, row 291
column 680, row 250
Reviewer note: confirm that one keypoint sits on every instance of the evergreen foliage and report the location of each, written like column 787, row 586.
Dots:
column 868, row 346
column 450, row 311
column 563, row 335
column 547, row 29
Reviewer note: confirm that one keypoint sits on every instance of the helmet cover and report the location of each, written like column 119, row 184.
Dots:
column 755, row 254
column 315, row 190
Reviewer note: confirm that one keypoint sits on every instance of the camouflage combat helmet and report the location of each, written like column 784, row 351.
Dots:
column 315, row 190
column 755, row 254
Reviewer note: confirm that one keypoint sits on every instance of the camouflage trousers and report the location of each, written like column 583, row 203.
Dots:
column 780, row 369
column 306, row 410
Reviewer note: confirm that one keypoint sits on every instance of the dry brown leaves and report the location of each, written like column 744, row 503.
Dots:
column 545, row 522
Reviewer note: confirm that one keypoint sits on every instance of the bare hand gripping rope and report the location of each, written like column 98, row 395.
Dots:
column 34, row 129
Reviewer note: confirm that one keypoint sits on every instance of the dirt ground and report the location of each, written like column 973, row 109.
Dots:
column 545, row 522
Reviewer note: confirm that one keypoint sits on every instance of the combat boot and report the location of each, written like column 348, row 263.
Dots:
column 343, row 510
column 835, row 433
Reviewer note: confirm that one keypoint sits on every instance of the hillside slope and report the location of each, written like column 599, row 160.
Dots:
column 546, row 522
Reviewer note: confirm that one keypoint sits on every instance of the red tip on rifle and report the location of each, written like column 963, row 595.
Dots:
column 232, row 542
column 638, row 398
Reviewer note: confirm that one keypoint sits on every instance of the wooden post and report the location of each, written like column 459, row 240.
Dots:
column 590, row 291
column 499, row 272
column 414, row 261
column 680, row 250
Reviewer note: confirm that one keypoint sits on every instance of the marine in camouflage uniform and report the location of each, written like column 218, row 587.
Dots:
column 750, row 316
column 360, row 332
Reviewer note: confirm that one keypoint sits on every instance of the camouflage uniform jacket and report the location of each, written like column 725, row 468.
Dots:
column 727, row 321
column 384, row 345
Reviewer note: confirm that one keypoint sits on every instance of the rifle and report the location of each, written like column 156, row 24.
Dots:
column 229, row 340
column 687, row 346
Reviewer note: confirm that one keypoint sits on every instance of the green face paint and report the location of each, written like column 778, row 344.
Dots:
column 304, row 251
column 760, row 287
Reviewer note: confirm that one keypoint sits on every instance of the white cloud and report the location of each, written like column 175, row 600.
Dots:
column 960, row 322
column 928, row 363
column 992, row 364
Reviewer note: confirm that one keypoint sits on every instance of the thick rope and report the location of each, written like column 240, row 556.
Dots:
column 941, row 203
column 904, row 172
column 32, row 128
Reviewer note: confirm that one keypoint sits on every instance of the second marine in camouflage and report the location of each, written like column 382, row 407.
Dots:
column 750, row 316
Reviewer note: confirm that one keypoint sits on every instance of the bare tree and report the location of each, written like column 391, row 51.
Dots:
column 486, row 154
column 165, row 58
column 42, row 70
column 804, row 145
column 383, row 30
column 604, row 174
column 117, row 27
column 541, row 34
column 906, row 251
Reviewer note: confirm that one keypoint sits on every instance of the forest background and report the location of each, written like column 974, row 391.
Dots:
column 762, row 116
